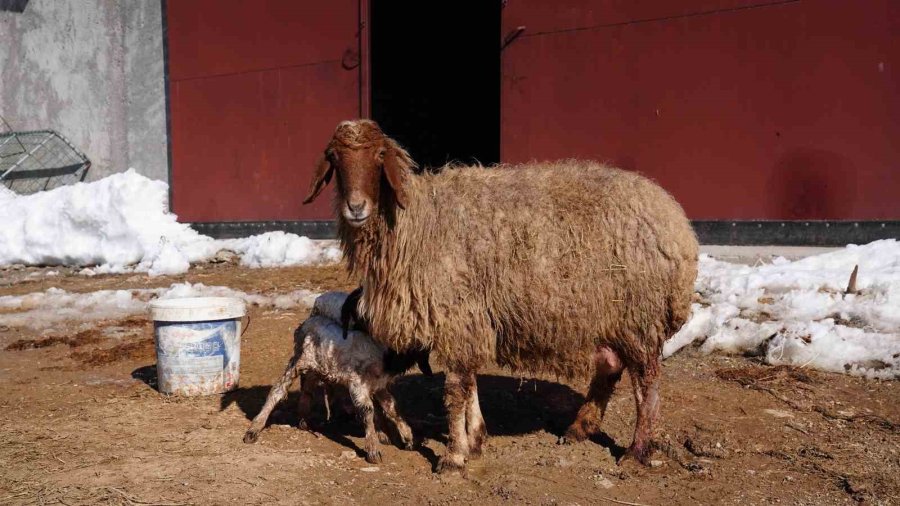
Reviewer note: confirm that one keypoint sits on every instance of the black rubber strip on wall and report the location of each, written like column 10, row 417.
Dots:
column 738, row 233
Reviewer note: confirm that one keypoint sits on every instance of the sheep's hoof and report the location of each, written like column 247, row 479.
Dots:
column 407, row 440
column 452, row 465
column 251, row 436
column 637, row 454
column 383, row 438
column 373, row 457
column 476, row 446
column 302, row 424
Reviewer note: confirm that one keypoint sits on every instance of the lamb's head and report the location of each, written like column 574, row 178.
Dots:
column 371, row 168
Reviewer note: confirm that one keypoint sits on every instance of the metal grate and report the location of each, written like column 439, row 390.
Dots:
column 39, row 160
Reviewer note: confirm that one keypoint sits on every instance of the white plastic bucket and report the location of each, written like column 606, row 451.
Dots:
column 198, row 344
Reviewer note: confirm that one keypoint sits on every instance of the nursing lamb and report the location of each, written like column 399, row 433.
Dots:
column 322, row 353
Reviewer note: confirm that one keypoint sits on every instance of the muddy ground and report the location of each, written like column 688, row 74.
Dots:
column 81, row 423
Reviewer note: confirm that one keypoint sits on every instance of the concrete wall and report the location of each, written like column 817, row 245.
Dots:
column 93, row 71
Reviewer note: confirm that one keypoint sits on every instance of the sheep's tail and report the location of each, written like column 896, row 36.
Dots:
column 350, row 310
column 423, row 363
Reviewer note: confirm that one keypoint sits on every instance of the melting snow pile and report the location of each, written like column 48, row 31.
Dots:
column 43, row 310
column 122, row 223
column 797, row 312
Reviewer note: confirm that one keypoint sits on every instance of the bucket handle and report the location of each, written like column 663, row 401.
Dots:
column 244, row 331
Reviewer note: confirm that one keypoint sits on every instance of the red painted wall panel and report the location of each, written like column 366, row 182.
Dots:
column 542, row 16
column 256, row 90
column 211, row 37
column 786, row 111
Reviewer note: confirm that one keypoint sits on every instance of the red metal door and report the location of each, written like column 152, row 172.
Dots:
column 256, row 89
column 743, row 109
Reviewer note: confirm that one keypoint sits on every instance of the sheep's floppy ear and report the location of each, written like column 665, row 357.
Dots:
column 397, row 165
column 322, row 177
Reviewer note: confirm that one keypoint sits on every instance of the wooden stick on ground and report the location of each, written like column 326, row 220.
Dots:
column 851, row 286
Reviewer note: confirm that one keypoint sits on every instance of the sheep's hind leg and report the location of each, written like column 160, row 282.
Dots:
column 455, row 397
column 646, row 393
column 587, row 422
column 362, row 399
column 389, row 407
column 475, row 428
column 276, row 395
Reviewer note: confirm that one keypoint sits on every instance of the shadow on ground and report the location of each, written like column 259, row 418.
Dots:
column 510, row 407
column 146, row 374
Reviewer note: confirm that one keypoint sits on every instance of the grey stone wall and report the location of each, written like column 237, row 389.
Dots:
column 93, row 71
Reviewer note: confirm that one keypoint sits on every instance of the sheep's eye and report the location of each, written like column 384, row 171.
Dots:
column 380, row 154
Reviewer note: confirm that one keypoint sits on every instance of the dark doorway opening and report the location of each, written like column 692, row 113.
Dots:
column 435, row 78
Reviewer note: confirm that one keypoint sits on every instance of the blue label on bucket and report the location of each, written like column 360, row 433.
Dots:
column 200, row 345
column 197, row 357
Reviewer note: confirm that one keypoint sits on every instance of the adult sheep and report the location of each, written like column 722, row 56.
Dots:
column 567, row 268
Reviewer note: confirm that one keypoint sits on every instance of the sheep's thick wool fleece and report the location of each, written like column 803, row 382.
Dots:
column 531, row 266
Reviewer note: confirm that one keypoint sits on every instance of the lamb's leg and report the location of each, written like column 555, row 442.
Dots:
column 389, row 407
column 475, row 427
column 646, row 389
column 276, row 394
column 455, row 397
column 608, row 372
column 381, row 428
column 362, row 399
column 308, row 384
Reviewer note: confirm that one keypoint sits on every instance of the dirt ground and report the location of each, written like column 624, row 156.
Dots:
column 81, row 423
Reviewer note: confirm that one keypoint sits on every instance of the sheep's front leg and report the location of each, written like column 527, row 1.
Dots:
column 389, row 407
column 362, row 399
column 455, row 401
column 475, row 428
column 276, row 395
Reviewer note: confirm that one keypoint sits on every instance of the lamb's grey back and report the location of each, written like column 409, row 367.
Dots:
column 325, row 350
column 329, row 305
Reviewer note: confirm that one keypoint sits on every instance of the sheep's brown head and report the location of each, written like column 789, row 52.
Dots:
column 371, row 171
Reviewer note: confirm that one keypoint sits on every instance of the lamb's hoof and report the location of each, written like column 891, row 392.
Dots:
column 373, row 457
column 636, row 454
column 573, row 435
column 452, row 465
column 251, row 436
column 409, row 444
column 383, row 438
column 302, row 424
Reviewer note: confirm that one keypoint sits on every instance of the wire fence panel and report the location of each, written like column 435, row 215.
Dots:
column 39, row 160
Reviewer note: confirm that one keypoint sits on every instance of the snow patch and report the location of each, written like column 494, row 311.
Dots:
column 121, row 223
column 43, row 310
column 797, row 312
column 274, row 249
